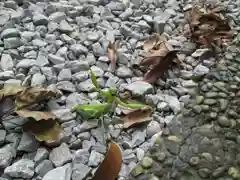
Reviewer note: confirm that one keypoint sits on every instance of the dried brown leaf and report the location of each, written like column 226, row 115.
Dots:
column 37, row 115
column 152, row 75
column 33, row 95
column 111, row 165
column 44, row 130
column 112, row 53
column 136, row 117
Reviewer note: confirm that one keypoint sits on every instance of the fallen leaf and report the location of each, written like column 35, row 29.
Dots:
column 157, row 71
column 43, row 130
column 152, row 42
column 205, row 25
column 137, row 116
column 112, row 53
column 37, row 115
column 11, row 90
column 111, row 165
column 33, row 95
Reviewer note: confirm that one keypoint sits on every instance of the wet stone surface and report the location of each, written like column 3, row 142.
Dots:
column 203, row 143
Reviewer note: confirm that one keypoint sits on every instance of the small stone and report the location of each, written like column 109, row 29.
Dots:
column 147, row 162
column 138, row 138
column 65, row 75
column 7, row 153
column 10, row 33
column 140, row 88
column 207, row 156
column 161, row 156
column 97, row 71
column 199, row 99
column 2, row 136
column 124, row 72
column 200, row 70
column 223, row 104
column 23, row 168
column 80, row 171
column 38, row 80
column 60, row 173
column 6, row 62
column 86, row 86
column 60, row 155
column 210, row 101
column 78, row 49
column 65, row 27
column 41, row 154
column 12, row 43
column 153, row 128
column 137, row 171
column 224, row 121
column 97, row 49
column 55, row 59
column 40, row 19
column 199, row 52
column 234, row 172
column 44, row 167
column 64, row 114
column 66, row 86
column 204, row 172
column 28, row 143
column 81, row 156
column 39, row 43
column 218, row 172
column 140, row 154
column 57, row 17
column 194, row 161
column 95, row 159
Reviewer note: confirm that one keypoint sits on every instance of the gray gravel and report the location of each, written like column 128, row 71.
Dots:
column 56, row 43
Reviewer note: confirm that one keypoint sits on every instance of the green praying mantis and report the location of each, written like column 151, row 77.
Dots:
column 97, row 111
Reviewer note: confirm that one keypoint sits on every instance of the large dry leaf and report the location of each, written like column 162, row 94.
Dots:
column 156, row 72
column 11, row 90
column 44, row 130
column 111, row 165
column 112, row 53
column 136, row 117
column 205, row 25
column 37, row 115
column 33, row 95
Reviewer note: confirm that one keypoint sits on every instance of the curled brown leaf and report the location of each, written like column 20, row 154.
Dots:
column 112, row 53
column 33, row 95
column 157, row 71
column 137, row 116
column 111, row 165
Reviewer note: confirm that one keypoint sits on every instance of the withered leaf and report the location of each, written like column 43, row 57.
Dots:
column 111, row 165
column 152, row 42
column 137, row 116
column 152, row 75
column 11, row 90
column 37, row 115
column 33, row 95
column 112, row 53
column 43, row 130
column 205, row 25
